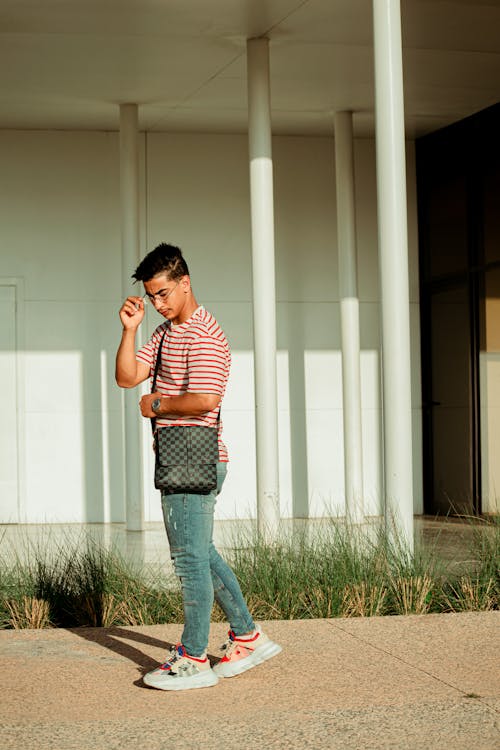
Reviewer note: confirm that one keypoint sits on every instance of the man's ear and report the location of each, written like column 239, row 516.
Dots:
column 186, row 284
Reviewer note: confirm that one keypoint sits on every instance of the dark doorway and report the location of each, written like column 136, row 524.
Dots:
column 457, row 177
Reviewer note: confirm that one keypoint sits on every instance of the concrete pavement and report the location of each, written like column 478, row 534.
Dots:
column 415, row 682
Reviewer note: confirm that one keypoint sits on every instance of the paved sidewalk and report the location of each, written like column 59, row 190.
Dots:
column 391, row 682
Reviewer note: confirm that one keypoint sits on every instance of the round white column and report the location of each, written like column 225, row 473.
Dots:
column 129, row 195
column 393, row 259
column 264, row 284
column 349, row 315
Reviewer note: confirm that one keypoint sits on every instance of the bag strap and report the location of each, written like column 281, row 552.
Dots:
column 158, row 363
column 155, row 376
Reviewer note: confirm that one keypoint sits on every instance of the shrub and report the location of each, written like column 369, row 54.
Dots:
column 328, row 569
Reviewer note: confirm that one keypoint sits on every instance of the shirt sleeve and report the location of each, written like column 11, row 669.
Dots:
column 147, row 353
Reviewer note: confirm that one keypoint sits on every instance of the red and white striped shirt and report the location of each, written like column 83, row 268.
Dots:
column 195, row 358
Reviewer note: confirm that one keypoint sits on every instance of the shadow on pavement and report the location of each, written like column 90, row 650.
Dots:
column 111, row 638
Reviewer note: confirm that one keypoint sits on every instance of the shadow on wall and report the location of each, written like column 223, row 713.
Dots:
column 74, row 415
column 72, row 412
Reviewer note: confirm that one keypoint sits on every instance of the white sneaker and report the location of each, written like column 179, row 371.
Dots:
column 182, row 672
column 241, row 654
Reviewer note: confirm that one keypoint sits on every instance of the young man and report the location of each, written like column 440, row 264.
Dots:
column 190, row 386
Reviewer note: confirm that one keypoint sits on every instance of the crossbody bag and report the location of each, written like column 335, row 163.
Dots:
column 186, row 456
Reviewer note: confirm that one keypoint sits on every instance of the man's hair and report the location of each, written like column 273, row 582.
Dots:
column 164, row 258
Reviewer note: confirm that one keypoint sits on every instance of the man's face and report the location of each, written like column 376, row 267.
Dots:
column 167, row 296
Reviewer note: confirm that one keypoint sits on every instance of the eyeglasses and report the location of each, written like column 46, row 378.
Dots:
column 162, row 296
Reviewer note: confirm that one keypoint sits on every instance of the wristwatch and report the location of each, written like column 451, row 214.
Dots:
column 155, row 405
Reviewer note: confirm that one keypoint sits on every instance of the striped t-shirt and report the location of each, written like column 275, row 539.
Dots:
column 195, row 358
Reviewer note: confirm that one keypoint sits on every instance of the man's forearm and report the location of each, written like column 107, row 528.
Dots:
column 126, row 363
column 188, row 404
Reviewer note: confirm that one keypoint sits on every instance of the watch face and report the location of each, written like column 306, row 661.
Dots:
column 156, row 404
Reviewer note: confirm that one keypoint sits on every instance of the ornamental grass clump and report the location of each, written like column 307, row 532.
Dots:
column 479, row 588
column 340, row 570
column 363, row 600
column 81, row 583
column 471, row 594
column 27, row 613
column 324, row 569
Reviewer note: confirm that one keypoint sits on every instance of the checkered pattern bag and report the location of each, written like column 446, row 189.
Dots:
column 186, row 455
column 186, row 459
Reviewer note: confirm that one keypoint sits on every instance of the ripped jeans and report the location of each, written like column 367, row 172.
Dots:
column 203, row 574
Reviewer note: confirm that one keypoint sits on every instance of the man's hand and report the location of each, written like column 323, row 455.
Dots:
column 132, row 313
column 145, row 404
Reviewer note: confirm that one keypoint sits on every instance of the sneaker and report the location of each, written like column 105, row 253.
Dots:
column 241, row 654
column 182, row 672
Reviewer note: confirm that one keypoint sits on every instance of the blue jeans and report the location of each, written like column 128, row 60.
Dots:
column 203, row 574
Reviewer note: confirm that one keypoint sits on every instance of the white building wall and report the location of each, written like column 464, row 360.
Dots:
column 59, row 233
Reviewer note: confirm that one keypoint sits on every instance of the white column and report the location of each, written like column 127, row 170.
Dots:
column 264, row 283
column 349, row 315
column 129, row 194
column 393, row 259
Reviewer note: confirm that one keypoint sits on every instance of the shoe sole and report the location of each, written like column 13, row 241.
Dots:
column 166, row 682
column 265, row 652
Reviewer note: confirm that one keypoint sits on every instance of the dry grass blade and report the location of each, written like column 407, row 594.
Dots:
column 363, row 600
column 262, row 609
column 472, row 595
column 318, row 603
column 102, row 610
column 29, row 613
column 113, row 611
column 412, row 594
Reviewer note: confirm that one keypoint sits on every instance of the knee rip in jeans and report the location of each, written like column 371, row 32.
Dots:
column 219, row 587
column 208, row 505
column 176, row 551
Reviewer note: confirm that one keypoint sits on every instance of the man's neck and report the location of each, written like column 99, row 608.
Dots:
column 189, row 308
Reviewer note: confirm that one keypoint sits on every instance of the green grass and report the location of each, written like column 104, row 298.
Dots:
column 82, row 584
column 340, row 572
column 335, row 571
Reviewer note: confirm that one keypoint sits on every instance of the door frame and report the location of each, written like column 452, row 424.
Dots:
column 471, row 277
column 471, row 280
